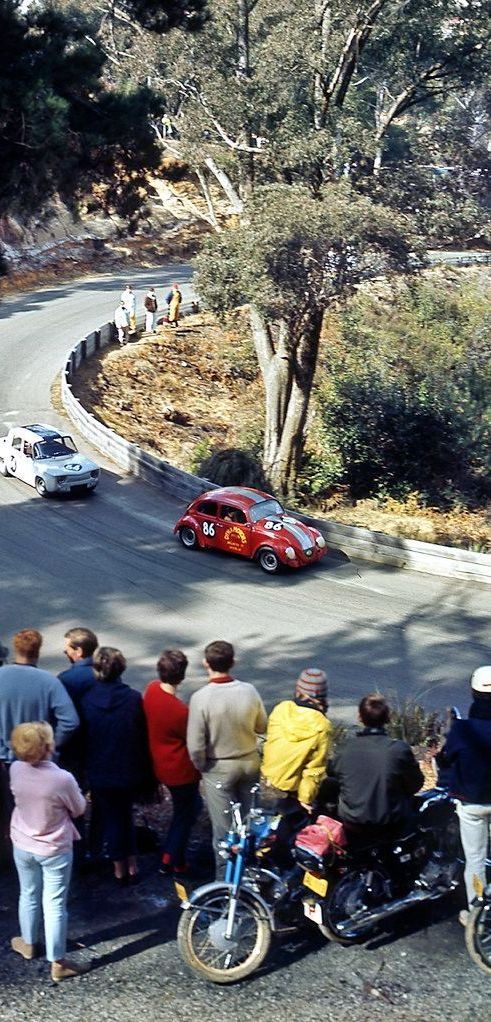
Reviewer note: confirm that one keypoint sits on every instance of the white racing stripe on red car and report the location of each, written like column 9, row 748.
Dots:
column 295, row 529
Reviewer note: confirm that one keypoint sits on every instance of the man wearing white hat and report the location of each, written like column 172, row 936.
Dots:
column 467, row 751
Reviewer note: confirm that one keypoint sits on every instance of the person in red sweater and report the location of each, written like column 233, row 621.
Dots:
column 167, row 718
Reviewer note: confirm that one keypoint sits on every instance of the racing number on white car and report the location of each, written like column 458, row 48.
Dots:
column 208, row 529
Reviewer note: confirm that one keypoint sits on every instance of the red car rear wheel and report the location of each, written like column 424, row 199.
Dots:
column 188, row 537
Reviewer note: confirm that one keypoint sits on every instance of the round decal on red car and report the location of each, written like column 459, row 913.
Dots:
column 235, row 538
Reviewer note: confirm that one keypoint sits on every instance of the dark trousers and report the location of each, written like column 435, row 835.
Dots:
column 6, row 808
column 113, row 810
column 186, row 804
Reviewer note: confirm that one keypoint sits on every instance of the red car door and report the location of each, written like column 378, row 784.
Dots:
column 233, row 531
column 206, row 519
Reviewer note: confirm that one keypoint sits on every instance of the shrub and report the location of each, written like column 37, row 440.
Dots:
column 233, row 467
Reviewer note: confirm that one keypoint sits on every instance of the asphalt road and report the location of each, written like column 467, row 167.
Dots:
column 111, row 562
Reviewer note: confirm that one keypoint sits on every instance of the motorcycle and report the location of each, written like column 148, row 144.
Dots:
column 273, row 885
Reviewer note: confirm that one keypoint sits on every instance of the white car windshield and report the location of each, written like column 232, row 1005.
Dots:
column 265, row 509
column 52, row 449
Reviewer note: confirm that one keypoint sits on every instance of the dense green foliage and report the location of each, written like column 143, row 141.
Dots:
column 404, row 395
column 61, row 128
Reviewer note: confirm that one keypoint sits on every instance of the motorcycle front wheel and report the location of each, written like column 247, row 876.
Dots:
column 208, row 952
column 478, row 936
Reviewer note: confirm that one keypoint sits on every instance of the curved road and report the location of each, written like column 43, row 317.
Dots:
column 113, row 563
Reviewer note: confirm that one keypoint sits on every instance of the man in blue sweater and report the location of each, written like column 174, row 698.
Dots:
column 467, row 751
column 28, row 693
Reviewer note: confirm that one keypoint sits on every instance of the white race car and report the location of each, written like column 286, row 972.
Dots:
column 46, row 459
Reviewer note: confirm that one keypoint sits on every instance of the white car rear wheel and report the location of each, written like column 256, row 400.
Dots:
column 3, row 469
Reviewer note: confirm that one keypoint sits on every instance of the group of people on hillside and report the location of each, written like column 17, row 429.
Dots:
column 114, row 743
column 125, row 314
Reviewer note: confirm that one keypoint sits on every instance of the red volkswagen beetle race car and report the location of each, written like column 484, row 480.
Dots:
column 244, row 521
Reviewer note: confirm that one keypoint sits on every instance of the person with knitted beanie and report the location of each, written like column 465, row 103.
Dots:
column 298, row 742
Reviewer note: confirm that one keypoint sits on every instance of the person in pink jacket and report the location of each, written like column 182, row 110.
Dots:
column 42, row 832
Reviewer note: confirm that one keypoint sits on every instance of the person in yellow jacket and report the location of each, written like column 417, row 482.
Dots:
column 298, row 742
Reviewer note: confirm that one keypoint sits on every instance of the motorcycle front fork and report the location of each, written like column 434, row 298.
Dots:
column 233, row 875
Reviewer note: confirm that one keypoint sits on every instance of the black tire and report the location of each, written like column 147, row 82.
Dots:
column 3, row 469
column 41, row 487
column 478, row 936
column 268, row 560
column 205, row 956
column 347, row 900
column 188, row 537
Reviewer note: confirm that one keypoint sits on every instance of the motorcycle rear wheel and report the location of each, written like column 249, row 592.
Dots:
column 478, row 936
column 346, row 900
column 202, row 944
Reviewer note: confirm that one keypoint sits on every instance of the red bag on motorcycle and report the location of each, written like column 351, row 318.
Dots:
column 326, row 837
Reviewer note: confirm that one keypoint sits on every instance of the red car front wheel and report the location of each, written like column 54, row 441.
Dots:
column 268, row 560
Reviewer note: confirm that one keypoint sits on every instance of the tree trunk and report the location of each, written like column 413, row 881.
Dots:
column 287, row 367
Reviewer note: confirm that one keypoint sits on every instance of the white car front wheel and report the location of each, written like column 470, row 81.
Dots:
column 41, row 487
column 3, row 469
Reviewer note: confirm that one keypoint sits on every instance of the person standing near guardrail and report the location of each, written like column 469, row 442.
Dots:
column 129, row 300
column 151, row 305
column 122, row 323
column 174, row 299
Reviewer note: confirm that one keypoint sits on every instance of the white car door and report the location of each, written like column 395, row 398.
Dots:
column 21, row 463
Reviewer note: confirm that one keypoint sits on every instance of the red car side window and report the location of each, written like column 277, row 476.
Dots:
column 207, row 507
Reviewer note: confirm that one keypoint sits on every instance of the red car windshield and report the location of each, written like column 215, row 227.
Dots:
column 265, row 509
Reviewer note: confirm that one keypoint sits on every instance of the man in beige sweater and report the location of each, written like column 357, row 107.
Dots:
column 226, row 717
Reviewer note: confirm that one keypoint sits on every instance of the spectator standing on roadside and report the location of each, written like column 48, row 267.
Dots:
column 167, row 718
column 174, row 299
column 298, row 742
column 29, row 693
column 378, row 775
column 116, row 756
column 226, row 718
column 151, row 305
column 79, row 647
column 467, row 751
column 128, row 299
column 122, row 323
column 42, row 831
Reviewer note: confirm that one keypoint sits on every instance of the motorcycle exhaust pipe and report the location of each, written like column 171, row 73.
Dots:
column 358, row 925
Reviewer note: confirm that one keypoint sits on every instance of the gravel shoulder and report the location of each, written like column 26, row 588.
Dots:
column 419, row 972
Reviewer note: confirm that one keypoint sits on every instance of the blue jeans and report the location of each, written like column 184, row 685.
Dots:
column 44, row 879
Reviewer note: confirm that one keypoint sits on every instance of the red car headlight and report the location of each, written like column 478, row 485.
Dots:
column 290, row 553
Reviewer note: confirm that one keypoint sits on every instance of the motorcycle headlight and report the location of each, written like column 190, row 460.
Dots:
column 320, row 542
column 290, row 553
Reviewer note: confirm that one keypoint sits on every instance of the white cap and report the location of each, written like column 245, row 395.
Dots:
column 481, row 679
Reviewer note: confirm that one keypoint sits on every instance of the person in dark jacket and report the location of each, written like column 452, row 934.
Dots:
column 80, row 645
column 116, row 755
column 377, row 775
column 467, row 751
